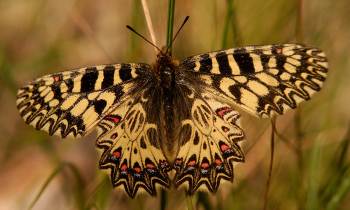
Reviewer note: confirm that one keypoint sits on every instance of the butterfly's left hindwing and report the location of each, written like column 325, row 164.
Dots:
column 72, row 102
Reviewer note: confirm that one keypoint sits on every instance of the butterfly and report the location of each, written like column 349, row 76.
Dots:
column 173, row 116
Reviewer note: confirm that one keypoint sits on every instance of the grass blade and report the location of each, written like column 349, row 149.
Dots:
column 341, row 192
column 227, row 21
column 47, row 182
column 268, row 180
column 79, row 195
column 170, row 28
column 189, row 201
column 314, row 175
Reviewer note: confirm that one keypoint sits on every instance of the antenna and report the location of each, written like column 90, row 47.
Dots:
column 133, row 30
column 171, row 43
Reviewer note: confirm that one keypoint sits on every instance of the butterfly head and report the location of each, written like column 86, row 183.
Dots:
column 164, row 55
column 164, row 59
column 165, row 67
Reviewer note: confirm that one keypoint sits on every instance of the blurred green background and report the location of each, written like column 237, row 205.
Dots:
column 311, row 165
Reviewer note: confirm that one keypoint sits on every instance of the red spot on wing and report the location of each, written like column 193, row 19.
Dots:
column 116, row 154
column 148, row 165
column 115, row 119
column 124, row 167
column 218, row 162
column 225, row 129
column 222, row 112
column 278, row 51
column 56, row 79
column 191, row 163
column 113, row 136
column 178, row 161
column 137, row 170
column 205, row 165
column 224, row 147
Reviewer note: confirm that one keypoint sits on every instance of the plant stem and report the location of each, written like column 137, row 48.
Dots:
column 170, row 27
column 271, row 162
column 189, row 201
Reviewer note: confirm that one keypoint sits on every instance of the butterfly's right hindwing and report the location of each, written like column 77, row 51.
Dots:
column 72, row 102
column 209, row 141
column 131, row 144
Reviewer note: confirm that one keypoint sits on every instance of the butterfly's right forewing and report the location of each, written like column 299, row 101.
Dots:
column 263, row 80
column 73, row 102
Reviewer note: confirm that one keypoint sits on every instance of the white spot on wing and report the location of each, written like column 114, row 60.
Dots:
column 258, row 88
column 257, row 62
column 93, row 95
column 272, row 62
column 48, row 97
column 80, row 107
column 100, row 78
column 267, row 79
column 249, row 99
column 46, row 91
column 63, row 87
column 287, row 50
column 290, row 68
column 206, row 79
column 90, row 116
column 215, row 66
column 77, row 84
column 285, row 76
column 233, row 65
column 293, row 62
column 116, row 74
column 109, row 98
column 241, row 79
column 274, row 71
column 225, row 83
column 198, row 65
column 133, row 73
column 69, row 102
column 54, row 103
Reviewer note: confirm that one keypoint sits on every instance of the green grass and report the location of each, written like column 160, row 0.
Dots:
column 311, row 163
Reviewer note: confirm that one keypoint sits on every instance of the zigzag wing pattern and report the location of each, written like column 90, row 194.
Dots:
column 209, row 143
column 263, row 80
column 72, row 102
column 131, row 147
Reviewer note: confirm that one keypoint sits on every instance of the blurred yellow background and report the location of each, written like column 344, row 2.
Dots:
column 45, row 36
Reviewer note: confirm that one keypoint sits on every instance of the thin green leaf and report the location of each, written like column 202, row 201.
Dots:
column 203, row 199
column 170, row 28
column 341, row 192
column 227, row 21
column 189, row 201
column 80, row 198
column 339, row 166
column 314, row 175
column 47, row 182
